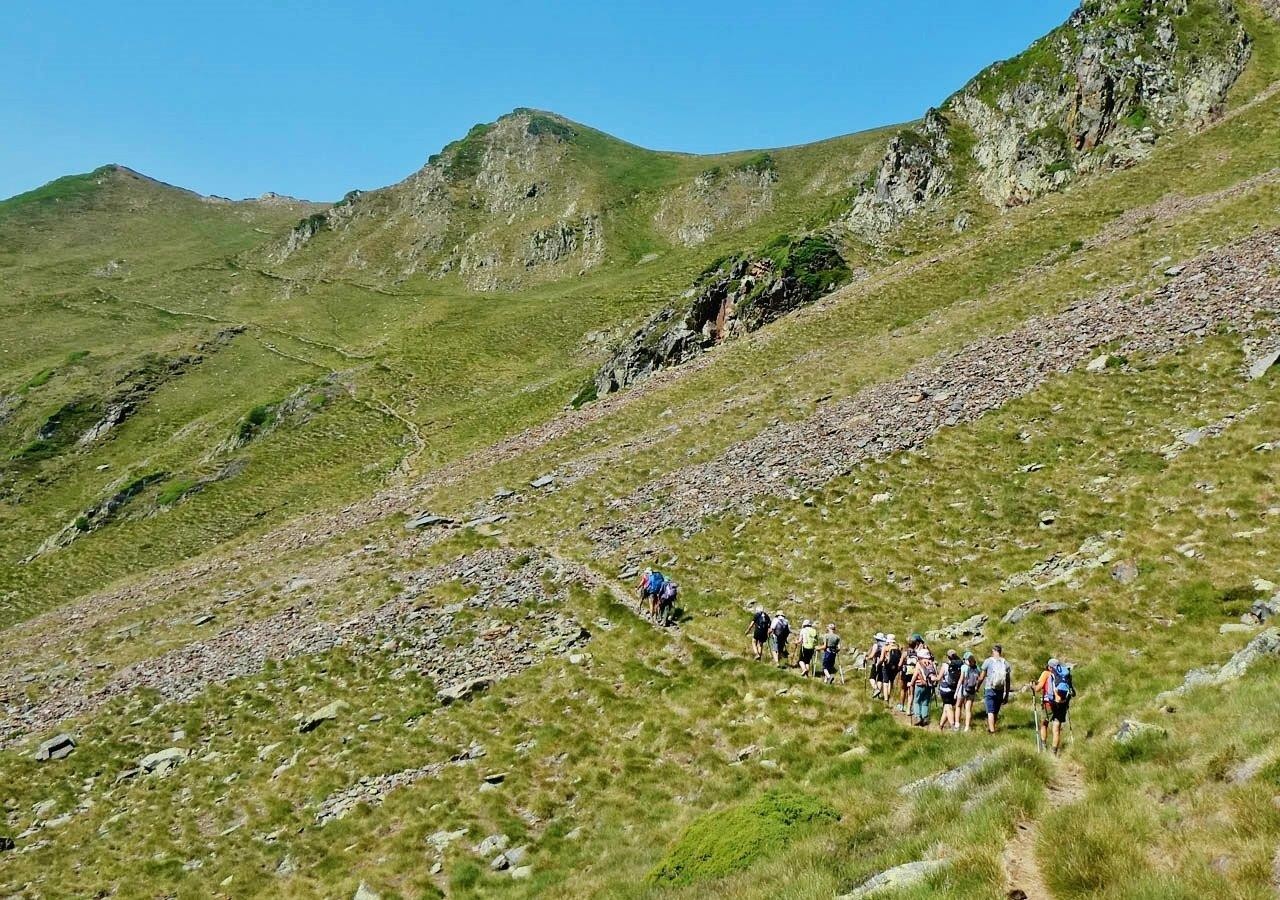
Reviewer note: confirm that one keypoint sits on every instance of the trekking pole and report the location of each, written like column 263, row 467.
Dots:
column 1035, row 719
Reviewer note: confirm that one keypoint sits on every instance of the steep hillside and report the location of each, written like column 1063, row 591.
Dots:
column 317, row 584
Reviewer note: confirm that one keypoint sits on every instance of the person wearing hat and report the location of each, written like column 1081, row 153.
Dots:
column 779, row 633
column 830, row 648
column 923, row 681
column 808, row 643
column 1055, row 691
column 970, row 675
column 948, row 691
column 873, row 663
column 891, row 661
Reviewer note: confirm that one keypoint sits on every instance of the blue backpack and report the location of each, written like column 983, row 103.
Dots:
column 656, row 582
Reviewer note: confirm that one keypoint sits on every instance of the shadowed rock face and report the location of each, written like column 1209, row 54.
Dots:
column 738, row 297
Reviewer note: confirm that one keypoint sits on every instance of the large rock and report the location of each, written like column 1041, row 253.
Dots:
column 1031, row 608
column 428, row 520
column 1132, row 729
column 463, row 690
column 314, row 720
column 163, row 760
column 364, row 892
column 58, row 747
column 898, row 878
column 969, row 628
column 1263, row 364
column 950, row 779
column 1266, row 643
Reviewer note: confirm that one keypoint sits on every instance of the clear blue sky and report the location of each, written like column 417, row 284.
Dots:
column 238, row 97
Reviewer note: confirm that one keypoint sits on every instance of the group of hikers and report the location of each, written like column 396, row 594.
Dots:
column 904, row 677
column 908, row 677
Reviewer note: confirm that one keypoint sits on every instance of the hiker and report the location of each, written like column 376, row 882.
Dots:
column 996, row 679
column 891, row 661
column 644, row 586
column 759, row 630
column 667, row 603
column 923, row 682
column 1055, row 690
column 949, row 691
column 657, row 581
column 830, row 648
column 873, row 663
column 779, row 632
column 808, row 643
column 970, row 675
column 905, row 678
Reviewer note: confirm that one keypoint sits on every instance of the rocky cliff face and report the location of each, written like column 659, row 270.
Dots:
column 914, row 173
column 734, row 297
column 493, row 207
column 716, row 199
column 1098, row 91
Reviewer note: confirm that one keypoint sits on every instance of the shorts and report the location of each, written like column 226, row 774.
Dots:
column 829, row 662
column 761, row 636
column 948, row 698
column 1056, row 712
column 906, row 677
column 806, row 655
column 888, row 675
column 994, row 700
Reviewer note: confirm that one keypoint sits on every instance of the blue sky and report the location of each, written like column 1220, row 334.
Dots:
column 314, row 98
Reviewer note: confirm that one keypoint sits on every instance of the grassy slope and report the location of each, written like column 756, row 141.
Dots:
column 1150, row 824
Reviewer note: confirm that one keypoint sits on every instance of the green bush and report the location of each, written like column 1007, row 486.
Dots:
column 728, row 841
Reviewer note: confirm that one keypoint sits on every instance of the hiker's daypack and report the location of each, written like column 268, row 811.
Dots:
column 781, row 629
column 909, row 667
column 928, row 672
column 669, row 591
column 1063, row 688
column 999, row 675
column 971, row 678
column 656, row 582
column 761, row 620
column 951, row 675
column 894, row 657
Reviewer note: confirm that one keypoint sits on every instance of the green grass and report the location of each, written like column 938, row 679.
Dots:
column 734, row 839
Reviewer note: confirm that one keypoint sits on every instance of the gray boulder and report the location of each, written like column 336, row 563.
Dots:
column 463, row 690
column 323, row 714
column 898, row 878
column 163, row 760
column 1263, row 364
column 364, row 892
column 1265, row 643
column 1125, row 571
column 494, row 843
column 970, row 627
column 949, row 780
column 59, row 747
column 1132, row 729
column 1031, row 608
column 428, row 520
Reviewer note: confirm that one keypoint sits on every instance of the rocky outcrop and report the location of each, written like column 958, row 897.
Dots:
column 1098, row 91
column 1266, row 643
column 915, row 172
column 716, row 199
column 734, row 298
column 495, row 208
column 899, row 878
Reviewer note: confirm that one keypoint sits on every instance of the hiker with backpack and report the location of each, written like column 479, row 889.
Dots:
column 906, row 677
column 1055, row 689
column 996, row 680
column 891, row 662
column 923, row 682
column 779, row 633
column 759, row 630
column 970, row 676
column 830, row 649
column 808, row 643
column 873, row 663
column 949, row 691
column 667, row 602
column 657, row 581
